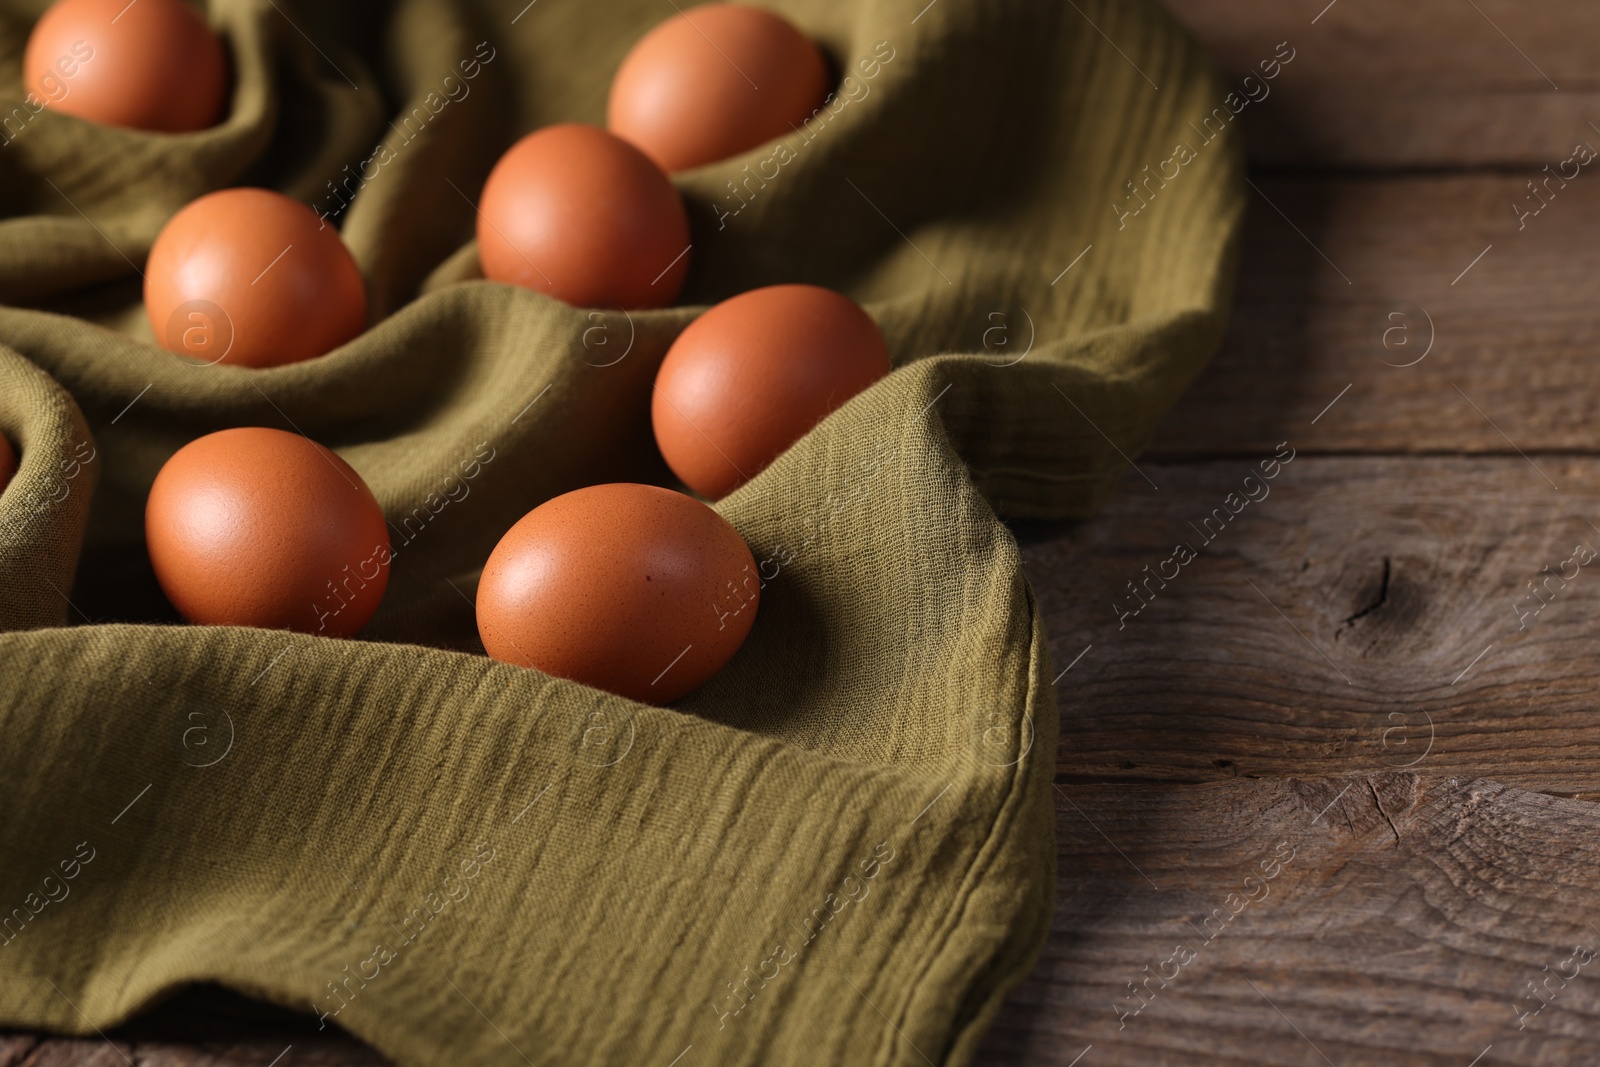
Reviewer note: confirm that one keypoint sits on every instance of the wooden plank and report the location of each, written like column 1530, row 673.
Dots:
column 1364, row 614
column 1348, row 290
column 1375, row 920
column 1429, row 83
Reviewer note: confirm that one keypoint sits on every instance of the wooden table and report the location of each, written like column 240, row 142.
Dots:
column 1329, row 796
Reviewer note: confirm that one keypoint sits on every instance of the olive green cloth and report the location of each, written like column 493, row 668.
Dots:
column 840, row 849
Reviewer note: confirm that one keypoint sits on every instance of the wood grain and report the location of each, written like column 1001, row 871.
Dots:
column 1401, row 929
column 1429, row 83
column 1515, row 336
column 1337, row 625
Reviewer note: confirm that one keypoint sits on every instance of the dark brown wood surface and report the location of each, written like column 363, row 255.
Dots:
column 1375, row 919
column 1370, row 668
column 1377, row 84
column 1327, row 797
column 1368, row 613
column 1496, row 359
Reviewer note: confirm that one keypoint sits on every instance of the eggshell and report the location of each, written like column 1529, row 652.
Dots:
column 252, row 278
column 261, row 527
column 634, row 589
column 572, row 211
column 8, row 463
column 152, row 65
column 753, row 374
column 715, row 81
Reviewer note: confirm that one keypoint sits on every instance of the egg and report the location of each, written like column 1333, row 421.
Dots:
column 252, row 278
column 715, row 81
column 8, row 463
column 634, row 589
column 752, row 375
column 261, row 527
column 151, row 65
column 577, row 213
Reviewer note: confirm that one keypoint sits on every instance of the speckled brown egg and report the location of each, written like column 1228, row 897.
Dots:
column 634, row 589
column 575, row 212
column 715, row 81
column 753, row 374
column 251, row 278
column 261, row 527
column 151, row 65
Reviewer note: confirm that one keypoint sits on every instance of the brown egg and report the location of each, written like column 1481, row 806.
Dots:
column 262, row 527
column 715, row 81
column 8, row 463
column 252, row 278
column 633, row 589
column 151, row 64
column 752, row 375
column 572, row 211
